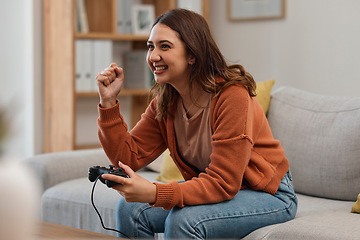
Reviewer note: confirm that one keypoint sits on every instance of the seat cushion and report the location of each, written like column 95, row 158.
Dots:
column 321, row 136
column 317, row 218
column 69, row 204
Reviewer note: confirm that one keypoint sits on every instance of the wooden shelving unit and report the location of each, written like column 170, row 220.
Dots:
column 59, row 64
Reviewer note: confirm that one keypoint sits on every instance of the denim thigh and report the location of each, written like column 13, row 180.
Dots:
column 235, row 218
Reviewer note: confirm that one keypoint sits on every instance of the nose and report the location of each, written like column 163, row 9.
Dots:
column 154, row 55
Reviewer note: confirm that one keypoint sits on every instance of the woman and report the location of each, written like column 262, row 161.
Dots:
column 236, row 174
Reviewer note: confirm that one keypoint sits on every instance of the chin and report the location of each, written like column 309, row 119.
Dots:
column 160, row 81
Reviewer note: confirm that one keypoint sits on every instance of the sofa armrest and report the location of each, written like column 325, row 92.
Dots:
column 54, row 168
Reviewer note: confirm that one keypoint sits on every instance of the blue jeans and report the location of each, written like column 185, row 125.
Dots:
column 235, row 218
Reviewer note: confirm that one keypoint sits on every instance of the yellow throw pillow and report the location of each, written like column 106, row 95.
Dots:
column 356, row 207
column 169, row 171
column 263, row 91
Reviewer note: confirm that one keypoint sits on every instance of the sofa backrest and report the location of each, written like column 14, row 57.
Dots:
column 321, row 138
column 54, row 168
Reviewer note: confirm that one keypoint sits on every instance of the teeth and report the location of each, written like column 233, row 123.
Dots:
column 161, row 68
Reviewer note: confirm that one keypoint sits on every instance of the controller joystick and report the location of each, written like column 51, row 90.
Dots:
column 96, row 171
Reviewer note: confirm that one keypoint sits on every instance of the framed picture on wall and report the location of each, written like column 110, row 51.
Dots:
column 143, row 17
column 245, row 10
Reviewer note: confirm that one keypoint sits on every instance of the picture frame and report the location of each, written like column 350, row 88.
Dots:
column 143, row 17
column 247, row 10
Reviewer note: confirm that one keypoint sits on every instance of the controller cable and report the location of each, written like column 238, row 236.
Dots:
column 101, row 220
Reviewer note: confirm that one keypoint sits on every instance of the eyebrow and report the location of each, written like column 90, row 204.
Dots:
column 162, row 41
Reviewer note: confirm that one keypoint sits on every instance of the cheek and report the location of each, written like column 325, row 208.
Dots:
column 182, row 66
column 148, row 61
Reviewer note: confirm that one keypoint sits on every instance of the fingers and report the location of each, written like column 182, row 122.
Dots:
column 103, row 79
column 127, row 170
column 119, row 72
column 114, row 178
column 113, row 65
column 135, row 188
column 106, row 76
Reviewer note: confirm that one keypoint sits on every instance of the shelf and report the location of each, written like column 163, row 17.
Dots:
column 90, row 146
column 112, row 36
column 124, row 92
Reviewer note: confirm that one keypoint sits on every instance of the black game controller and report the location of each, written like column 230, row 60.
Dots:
column 96, row 171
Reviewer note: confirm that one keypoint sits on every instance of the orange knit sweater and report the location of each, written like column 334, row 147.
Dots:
column 244, row 152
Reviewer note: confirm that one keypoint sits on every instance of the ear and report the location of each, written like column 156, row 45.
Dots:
column 192, row 60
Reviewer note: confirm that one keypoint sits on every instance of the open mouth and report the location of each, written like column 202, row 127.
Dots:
column 160, row 68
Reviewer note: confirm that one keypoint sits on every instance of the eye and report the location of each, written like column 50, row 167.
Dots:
column 150, row 46
column 165, row 46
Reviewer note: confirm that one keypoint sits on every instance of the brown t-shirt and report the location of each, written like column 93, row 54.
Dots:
column 193, row 135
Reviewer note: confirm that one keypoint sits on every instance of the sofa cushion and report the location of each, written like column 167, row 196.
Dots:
column 317, row 218
column 356, row 207
column 54, row 168
column 263, row 93
column 68, row 203
column 169, row 171
column 321, row 138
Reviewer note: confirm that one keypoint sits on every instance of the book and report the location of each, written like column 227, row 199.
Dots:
column 127, row 16
column 82, row 24
column 83, row 65
column 102, row 57
column 124, row 16
column 120, row 22
column 91, row 57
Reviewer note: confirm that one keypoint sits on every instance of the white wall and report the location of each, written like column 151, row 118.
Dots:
column 20, row 67
column 315, row 48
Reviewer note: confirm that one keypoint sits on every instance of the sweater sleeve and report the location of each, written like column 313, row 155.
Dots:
column 131, row 148
column 231, row 152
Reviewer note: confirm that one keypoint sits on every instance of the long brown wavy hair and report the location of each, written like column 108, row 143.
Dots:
column 209, row 64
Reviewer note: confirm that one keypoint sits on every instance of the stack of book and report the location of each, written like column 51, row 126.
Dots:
column 91, row 56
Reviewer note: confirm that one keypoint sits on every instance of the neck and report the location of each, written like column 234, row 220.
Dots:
column 199, row 99
column 191, row 98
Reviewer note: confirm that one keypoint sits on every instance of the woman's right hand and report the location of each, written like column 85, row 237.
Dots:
column 110, row 81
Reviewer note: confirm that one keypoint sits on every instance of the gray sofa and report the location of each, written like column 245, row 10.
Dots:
column 321, row 138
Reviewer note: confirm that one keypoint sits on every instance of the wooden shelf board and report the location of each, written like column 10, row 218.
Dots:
column 88, row 146
column 112, row 36
column 124, row 92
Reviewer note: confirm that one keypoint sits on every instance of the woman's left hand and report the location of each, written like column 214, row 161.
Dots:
column 134, row 188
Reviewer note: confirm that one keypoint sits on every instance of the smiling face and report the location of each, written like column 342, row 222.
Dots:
column 167, row 57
